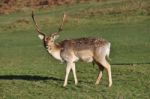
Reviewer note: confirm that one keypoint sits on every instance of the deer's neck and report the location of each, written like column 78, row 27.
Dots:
column 55, row 50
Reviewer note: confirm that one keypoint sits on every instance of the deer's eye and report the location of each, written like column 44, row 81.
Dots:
column 47, row 39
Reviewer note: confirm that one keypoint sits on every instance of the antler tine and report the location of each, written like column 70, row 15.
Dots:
column 37, row 28
column 61, row 25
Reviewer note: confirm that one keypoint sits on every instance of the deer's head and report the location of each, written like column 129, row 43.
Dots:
column 48, row 40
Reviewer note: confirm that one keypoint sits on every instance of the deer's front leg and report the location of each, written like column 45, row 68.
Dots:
column 74, row 73
column 70, row 65
column 68, row 68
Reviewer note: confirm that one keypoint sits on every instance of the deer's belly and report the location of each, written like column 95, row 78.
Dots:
column 85, row 55
column 87, row 59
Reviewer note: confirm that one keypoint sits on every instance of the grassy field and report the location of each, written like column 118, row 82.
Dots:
column 27, row 71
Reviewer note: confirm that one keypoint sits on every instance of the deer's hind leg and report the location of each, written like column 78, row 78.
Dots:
column 101, row 68
column 107, row 66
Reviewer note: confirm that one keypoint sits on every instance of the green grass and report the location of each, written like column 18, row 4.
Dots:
column 46, row 82
column 27, row 71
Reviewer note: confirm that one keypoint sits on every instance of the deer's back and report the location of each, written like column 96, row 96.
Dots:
column 83, row 43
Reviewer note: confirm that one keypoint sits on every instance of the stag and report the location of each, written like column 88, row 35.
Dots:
column 70, row 51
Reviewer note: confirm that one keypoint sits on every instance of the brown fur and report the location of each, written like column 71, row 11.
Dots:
column 82, row 43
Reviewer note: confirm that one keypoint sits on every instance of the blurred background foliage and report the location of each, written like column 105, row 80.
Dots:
column 127, row 6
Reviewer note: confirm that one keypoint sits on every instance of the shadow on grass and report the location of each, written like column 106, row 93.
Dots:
column 27, row 77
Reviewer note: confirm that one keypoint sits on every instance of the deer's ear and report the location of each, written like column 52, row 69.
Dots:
column 41, row 36
column 55, row 37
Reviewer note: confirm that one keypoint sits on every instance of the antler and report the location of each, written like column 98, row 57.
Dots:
column 42, row 33
column 37, row 28
column 61, row 25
